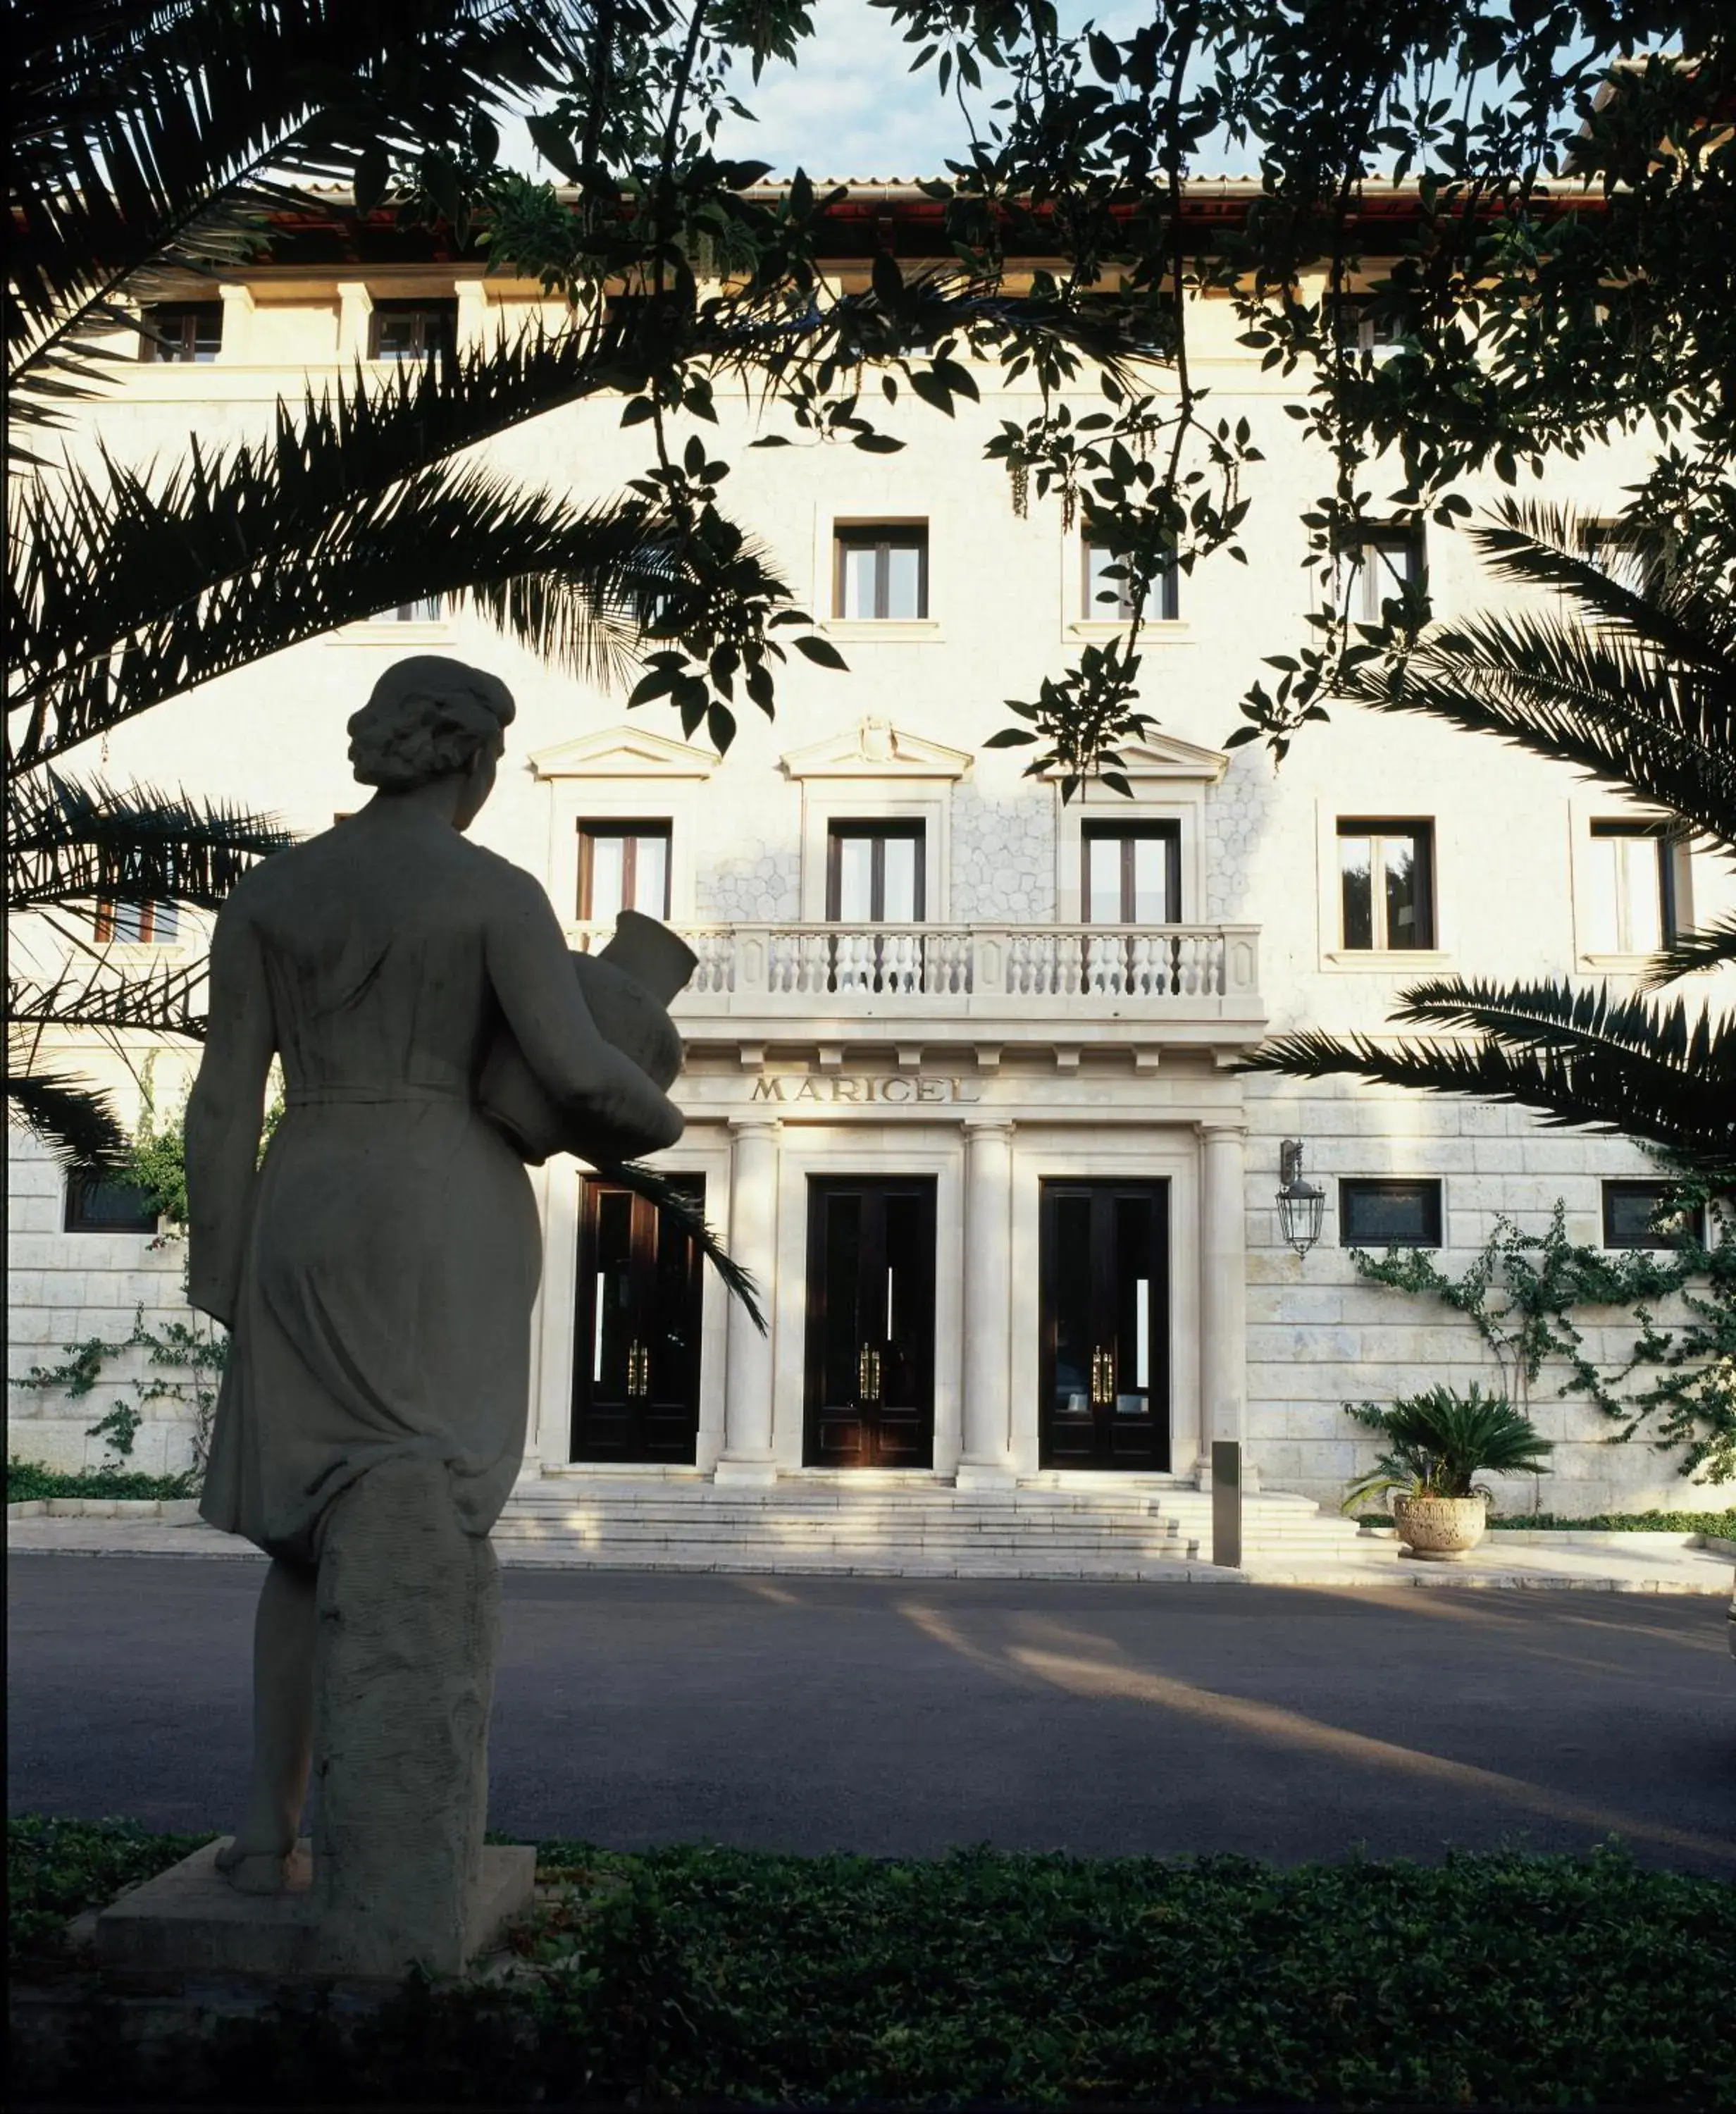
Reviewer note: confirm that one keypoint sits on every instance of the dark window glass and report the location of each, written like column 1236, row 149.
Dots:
column 623, row 866
column 1383, row 563
column 425, row 609
column 1112, row 599
column 412, row 330
column 108, row 1207
column 1389, row 1214
column 1627, row 1212
column 1629, row 555
column 1634, row 908
column 874, row 873
column 186, row 333
column 1386, row 878
column 1361, row 325
column 1132, row 873
column 882, row 571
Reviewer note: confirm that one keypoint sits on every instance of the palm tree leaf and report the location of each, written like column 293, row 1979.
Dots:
column 161, row 997
column 1688, row 1108
column 75, row 1120
column 1712, row 947
column 140, row 134
column 673, row 1203
column 82, row 841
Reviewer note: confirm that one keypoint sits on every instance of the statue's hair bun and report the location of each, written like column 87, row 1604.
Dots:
column 427, row 717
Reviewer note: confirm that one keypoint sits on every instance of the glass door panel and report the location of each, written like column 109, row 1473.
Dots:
column 1105, row 1335
column 637, row 1314
column 870, row 1335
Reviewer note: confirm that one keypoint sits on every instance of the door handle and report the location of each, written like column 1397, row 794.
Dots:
column 868, row 1373
column 1102, row 1376
column 638, row 1370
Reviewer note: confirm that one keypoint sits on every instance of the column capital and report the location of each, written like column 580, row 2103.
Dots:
column 1210, row 1128
column 988, row 1126
column 755, row 1123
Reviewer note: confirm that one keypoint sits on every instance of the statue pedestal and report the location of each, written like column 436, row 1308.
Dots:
column 190, row 1920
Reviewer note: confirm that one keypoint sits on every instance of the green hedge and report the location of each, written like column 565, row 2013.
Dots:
column 724, row 1979
column 29, row 1481
column 1721, row 1523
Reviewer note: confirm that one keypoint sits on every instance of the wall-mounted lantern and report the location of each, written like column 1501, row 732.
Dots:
column 1301, row 1206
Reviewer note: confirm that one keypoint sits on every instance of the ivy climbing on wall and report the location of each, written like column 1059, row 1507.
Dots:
column 1527, row 1294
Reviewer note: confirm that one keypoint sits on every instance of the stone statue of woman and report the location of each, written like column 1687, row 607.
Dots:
column 377, row 1272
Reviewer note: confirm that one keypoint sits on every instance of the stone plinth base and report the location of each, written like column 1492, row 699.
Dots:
column 746, row 1475
column 985, row 1475
column 190, row 1920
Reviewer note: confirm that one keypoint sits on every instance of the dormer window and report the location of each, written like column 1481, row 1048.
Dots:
column 184, row 333
column 400, row 331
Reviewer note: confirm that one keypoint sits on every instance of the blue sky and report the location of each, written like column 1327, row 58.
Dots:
column 852, row 108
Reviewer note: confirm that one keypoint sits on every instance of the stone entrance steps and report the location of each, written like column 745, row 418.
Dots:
column 1107, row 1529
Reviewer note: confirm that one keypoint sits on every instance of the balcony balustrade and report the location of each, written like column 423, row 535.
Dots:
column 1046, row 972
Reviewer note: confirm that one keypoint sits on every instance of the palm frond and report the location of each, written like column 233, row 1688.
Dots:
column 1604, row 1077
column 75, row 1120
column 82, row 841
column 673, row 1202
column 448, row 530
column 167, row 997
column 141, row 135
column 1712, row 947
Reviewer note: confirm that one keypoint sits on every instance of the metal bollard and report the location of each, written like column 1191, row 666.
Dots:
column 1226, row 1502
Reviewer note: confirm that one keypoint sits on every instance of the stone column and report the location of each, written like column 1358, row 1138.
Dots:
column 237, row 347
column 986, row 1462
column 355, row 306
column 1223, row 1287
column 746, row 1456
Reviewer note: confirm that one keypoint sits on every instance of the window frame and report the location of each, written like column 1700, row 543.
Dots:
column 1167, row 587
column 1378, row 829
column 74, row 1220
column 1669, row 841
column 165, row 350
column 445, row 343
column 878, row 829
column 630, row 829
column 882, row 538
column 1615, row 1187
column 1167, row 832
column 1354, row 1188
column 106, row 931
column 1363, row 604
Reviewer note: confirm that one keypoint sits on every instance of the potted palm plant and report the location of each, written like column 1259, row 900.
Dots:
column 1436, row 1444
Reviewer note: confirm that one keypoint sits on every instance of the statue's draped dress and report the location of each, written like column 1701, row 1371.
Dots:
column 391, row 1251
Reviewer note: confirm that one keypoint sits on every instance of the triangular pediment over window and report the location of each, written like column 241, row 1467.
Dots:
column 876, row 748
column 1162, row 756
column 624, row 751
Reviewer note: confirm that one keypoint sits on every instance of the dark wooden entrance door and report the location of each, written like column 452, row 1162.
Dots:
column 636, row 1348
column 870, row 1334
column 1105, row 1335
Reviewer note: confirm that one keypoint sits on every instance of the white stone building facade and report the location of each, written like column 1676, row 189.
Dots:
column 961, row 1084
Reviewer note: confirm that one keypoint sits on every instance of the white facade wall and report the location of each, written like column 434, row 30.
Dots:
column 1004, row 609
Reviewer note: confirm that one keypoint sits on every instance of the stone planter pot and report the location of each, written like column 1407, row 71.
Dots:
column 1440, row 1528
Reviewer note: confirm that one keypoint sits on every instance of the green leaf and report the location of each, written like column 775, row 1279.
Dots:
column 1010, row 738
column 822, row 652
column 877, row 444
column 553, row 142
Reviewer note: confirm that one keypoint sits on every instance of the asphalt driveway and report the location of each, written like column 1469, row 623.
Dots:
column 904, row 1717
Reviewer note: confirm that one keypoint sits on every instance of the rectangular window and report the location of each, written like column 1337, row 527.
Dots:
column 1361, row 325
column 138, row 924
column 1635, row 894
column 1383, row 563
column 187, row 333
column 1111, row 600
column 1629, row 1211
column 623, row 866
column 108, row 1207
column 1629, row 555
column 874, row 873
column 1389, row 1214
column 1132, row 873
column 880, row 571
column 412, row 330
column 1385, row 876
column 425, row 609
